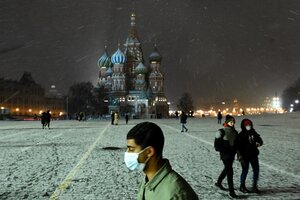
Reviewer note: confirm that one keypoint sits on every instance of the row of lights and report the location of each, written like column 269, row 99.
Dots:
column 30, row 110
column 160, row 99
column 248, row 110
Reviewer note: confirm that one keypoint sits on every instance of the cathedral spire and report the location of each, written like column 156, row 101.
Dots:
column 105, row 45
column 132, row 16
column 133, row 33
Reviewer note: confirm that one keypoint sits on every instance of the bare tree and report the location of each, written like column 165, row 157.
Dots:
column 186, row 103
column 290, row 95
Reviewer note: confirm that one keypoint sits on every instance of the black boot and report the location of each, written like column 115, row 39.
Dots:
column 243, row 188
column 232, row 194
column 255, row 189
column 219, row 185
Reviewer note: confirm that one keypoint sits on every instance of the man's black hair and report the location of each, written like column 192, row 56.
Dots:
column 148, row 134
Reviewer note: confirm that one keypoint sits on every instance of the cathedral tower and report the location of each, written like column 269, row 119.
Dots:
column 133, row 52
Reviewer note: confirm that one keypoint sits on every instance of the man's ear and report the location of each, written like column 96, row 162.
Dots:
column 150, row 151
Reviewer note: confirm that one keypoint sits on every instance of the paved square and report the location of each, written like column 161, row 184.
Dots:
column 84, row 160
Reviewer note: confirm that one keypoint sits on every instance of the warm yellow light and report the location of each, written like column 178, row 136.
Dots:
column 61, row 113
column 17, row 109
column 2, row 108
column 41, row 112
column 29, row 110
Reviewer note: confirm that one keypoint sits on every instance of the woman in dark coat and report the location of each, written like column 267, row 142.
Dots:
column 248, row 141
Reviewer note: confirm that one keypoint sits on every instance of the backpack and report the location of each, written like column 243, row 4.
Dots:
column 219, row 142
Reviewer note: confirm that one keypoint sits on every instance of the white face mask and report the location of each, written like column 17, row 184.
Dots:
column 132, row 163
column 248, row 128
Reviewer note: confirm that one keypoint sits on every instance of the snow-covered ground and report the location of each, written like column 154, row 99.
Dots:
column 84, row 160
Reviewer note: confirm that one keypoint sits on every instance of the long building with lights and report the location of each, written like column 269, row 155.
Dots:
column 133, row 87
column 26, row 98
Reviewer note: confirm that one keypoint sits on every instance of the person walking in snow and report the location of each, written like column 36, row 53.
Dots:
column 248, row 141
column 183, row 120
column 227, row 149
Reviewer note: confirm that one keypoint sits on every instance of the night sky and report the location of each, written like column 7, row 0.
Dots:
column 215, row 50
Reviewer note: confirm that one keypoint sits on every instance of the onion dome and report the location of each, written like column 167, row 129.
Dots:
column 109, row 72
column 118, row 57
column 141, row 69
column 155, row 56
column 104, row 60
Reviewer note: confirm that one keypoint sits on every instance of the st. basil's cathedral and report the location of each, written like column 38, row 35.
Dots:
column 132, row 87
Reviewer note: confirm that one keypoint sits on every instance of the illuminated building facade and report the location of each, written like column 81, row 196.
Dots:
column 27, row 98
column 132, row 87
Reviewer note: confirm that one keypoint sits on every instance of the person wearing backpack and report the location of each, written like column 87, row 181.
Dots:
column 225, row 143
column 248, row 141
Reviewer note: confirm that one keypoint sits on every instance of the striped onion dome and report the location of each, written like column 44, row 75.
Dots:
column 141, row 69
column 104, row 60
column 118, row 57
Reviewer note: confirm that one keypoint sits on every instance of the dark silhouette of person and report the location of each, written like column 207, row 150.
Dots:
column 48, row 118
column 43, row 120
column 176, row 114
column 81, row 116
column 112, row 118
column 126, row 118
column 183, row 120
column 219, row 116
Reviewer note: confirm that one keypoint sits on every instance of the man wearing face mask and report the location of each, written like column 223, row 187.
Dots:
column 248, row 141
column 145, row 144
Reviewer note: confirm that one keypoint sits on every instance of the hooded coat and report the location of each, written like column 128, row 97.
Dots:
column 248, row 141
